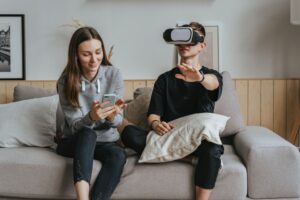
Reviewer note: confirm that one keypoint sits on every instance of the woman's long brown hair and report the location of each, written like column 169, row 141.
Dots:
column 73, row 71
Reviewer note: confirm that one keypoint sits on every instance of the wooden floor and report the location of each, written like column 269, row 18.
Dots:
column 272, row 103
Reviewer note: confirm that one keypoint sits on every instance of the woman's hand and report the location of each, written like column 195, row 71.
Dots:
column 119, row 106
column 189, row 73
column 161, row 128
column 100, row 112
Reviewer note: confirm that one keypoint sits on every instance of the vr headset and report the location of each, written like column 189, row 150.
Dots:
column 182, row 35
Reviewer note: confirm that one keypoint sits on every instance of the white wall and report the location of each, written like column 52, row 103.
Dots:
column 257, row 39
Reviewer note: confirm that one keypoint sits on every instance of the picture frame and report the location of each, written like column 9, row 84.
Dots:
column 12, row 47
column 209, row 57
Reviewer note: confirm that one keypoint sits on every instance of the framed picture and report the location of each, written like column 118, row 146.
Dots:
column 209, row 57
column 12, row 47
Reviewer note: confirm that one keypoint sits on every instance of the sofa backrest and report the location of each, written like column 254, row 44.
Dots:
column 228, row 105
column 136, row 110
column 23, row 92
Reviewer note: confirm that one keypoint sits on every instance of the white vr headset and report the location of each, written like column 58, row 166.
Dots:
column 182, row 35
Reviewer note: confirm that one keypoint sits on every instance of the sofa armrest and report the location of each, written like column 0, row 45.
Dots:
column 273, row 164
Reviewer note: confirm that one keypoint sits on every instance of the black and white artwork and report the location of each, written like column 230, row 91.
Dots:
column 4, row 47
column 12, row 53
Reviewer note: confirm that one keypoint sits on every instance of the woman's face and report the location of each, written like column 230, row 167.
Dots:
column 90, row 55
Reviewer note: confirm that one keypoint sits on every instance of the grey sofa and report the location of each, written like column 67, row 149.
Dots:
column 258, row 164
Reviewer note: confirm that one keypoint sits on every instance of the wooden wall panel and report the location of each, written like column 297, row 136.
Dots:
column 267, row 103
column 280, row 95
column 242, row 93
column 10, row 90
column 139, row 84
column 2, row 92
column 37, row 84
column 150, row 83
column 50, row 85
column 254, row 101
column 292, row 103
column 128, row 93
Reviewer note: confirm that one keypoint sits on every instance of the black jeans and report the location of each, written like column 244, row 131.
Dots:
column 208, row 154
column 84, row 148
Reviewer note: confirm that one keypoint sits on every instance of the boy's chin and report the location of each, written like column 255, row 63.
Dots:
column 184, row 56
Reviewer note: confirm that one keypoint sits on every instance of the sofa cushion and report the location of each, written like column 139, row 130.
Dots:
column 136, row 110
column 34, row 172
column 175, row 180
column 23, row 92
column 228, row 105
column 142, row 90
column 184, row 138
column 30, row 122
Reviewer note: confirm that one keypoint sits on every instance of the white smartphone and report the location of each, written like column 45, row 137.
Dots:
column 111, row 98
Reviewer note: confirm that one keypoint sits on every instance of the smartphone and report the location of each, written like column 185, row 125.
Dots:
column 110, row 98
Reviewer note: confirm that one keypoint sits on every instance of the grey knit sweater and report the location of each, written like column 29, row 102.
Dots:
column 107, row 80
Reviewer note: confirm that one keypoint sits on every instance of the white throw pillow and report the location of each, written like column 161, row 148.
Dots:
column 184, row 138
column 28, row 123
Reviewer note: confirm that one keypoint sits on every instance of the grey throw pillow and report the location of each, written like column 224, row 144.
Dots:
column 29, row 123
column 23, row 92
column 142, row 90
column 136, row 110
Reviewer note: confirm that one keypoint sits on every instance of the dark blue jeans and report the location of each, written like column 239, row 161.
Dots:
column 84, row 148
column 208, row 154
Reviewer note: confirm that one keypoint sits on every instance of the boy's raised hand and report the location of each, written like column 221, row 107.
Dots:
column 189, row 73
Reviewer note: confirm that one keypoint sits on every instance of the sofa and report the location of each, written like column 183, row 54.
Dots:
column 258, row 164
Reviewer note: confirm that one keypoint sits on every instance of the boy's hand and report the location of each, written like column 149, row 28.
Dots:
column 189, row 74
column 162, row 128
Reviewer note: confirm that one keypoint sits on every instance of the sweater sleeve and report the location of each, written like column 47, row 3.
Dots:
column 74, row 117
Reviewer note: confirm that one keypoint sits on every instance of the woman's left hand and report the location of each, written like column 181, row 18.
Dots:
column 119, row 106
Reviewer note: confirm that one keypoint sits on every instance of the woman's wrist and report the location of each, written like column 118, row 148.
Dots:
column 91, row 117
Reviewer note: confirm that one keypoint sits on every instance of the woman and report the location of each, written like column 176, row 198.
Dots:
column 90, row 125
